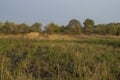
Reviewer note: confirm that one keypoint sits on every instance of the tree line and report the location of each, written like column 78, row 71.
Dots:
column 73, row 27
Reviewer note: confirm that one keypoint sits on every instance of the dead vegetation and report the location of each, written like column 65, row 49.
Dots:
column 38, row 36
column 32, row 35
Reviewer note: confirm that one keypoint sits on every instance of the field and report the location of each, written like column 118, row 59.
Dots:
column 82, row 59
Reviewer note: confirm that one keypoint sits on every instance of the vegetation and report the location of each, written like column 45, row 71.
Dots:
column 36, row 27
column 111, row 28
column 52, row 28
column 85, row 59
column 66, row 54
column 74, row 27
column 89, row 26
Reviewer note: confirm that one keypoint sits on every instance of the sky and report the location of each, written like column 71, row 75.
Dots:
column 59, row 11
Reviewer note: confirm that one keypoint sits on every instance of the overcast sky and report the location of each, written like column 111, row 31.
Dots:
column 59, row 11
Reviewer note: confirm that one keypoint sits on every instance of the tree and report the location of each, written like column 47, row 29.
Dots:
column 62, row 29
column 101, row 29
column 1, row 25
column 7, row 27
column 118, row 30
column 74, row 27
column 52, row 28
column 36, row 27
column 24, row 28
column 89, row 26
column 112, row 28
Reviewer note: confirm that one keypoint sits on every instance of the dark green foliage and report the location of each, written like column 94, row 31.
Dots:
column 88, row 22
column 101, row 29
column 111, row 28
column 52, row 28
column 36, row 27
column 24, row 28
column 62, row 29
column 89, row 29
column 7, row 27
column 1, row 26
column 12, row 28
column 118, row 30
column 74, row 27
column 89, row 26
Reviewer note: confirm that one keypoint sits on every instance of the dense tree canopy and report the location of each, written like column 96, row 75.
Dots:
column 73, row 27
column 101, row 29
column 52, row 28
column 88, row 22
column 36, row 27
column 8, row 27
column 63, row 29
column 111, row 28
column 89, row 26
column 118, row 30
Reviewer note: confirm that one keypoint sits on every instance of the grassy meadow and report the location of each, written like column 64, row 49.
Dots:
column 83, row 59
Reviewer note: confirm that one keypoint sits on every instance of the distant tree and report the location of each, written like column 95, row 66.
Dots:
column 1, row 25
column 36, row 27
column 24, row 28
column 7, row 27
column 88, row 22
column 101, row 29
column 112, row 28
column 89, row 29
column 89, row 26
column 74, row 27
column 118, row 30
column 14, row 29
column 62, row 29
column 52, row 28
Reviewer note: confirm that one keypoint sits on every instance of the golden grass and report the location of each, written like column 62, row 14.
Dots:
column 38, row 36
column 32, row 35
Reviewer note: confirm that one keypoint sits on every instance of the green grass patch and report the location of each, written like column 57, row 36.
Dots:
column 93, row 59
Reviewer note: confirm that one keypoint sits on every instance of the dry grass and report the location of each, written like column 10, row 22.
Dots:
column 32, row 35
column 90, row 59
column 60, row 37
column 36, row 35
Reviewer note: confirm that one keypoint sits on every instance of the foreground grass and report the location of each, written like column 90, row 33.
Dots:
column 94, row 59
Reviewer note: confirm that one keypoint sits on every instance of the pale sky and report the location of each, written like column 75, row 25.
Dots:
column 59, row 11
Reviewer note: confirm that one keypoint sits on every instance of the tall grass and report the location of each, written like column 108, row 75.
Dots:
column 95, row 59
